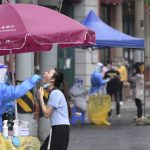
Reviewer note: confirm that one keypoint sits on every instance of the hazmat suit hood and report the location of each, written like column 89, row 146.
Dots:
column 3, row 70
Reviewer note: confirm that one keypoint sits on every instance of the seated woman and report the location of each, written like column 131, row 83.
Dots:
column 78, row 94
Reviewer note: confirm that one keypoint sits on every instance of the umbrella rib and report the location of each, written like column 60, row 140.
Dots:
column 19, row 17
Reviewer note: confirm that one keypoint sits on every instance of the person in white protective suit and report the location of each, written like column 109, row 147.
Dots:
column 78, row 94
column 8, row 93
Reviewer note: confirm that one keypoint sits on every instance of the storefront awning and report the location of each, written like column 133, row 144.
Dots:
column 111, row 1
column 107, row 36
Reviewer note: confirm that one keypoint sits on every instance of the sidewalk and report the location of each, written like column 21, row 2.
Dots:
column 129, row 105
column 123, row 134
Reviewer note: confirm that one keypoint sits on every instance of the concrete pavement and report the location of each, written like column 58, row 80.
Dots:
column 129, row 105
column 123, row 134
column 120, row 136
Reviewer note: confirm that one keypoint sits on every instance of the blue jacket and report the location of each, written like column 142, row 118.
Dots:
column 9, row 93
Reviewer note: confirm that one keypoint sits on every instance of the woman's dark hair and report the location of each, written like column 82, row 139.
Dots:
column 138, row 69
column 59, row 80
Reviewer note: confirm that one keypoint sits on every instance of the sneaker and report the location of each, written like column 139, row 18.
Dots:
column 118, row 116
column 121, row 103
column 139, row 119
column 107, row 123
column 148, row 116
column 135, row 118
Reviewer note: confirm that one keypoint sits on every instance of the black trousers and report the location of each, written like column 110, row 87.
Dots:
column 120, row 91
column 138, row 104
column 59, row 139
column 116, row 97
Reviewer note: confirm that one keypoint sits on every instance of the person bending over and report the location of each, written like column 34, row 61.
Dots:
column 57, row 109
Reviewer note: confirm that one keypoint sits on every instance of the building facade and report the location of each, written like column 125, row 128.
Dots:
column 128, row 16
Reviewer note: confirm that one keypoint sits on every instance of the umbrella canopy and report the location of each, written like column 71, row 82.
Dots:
column 30, row 28
column 106, row 36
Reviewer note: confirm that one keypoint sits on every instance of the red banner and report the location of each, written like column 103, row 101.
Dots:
column 111, row 1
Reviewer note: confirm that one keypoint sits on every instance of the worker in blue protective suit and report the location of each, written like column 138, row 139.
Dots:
column 9, row 93
column 97, row 80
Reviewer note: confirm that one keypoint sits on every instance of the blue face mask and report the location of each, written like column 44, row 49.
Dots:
column 46, row 85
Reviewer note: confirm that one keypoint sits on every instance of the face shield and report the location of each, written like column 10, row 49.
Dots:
column 4, row 77
column 78, row 82
column 99, row 67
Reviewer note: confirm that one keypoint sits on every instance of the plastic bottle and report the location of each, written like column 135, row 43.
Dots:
column 5, row 129
column 15, row 128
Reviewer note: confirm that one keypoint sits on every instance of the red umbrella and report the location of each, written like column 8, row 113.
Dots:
column 29, row 28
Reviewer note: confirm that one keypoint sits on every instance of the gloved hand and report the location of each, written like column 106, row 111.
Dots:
column 35, row 78
column 16, row 141
column 10, row 108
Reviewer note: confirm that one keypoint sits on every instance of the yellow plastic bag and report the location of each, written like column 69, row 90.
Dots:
column 98, row 108
column 27, row 143
column 5, row 144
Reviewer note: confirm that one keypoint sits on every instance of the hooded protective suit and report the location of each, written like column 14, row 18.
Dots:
column 8, row 93
column 97, row 80
column 78, row 94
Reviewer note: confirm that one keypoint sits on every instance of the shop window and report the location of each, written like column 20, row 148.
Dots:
column 105, row 16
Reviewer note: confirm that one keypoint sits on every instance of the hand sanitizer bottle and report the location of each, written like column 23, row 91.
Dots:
column 5, row 129
column 15, row 139
column 15, row 128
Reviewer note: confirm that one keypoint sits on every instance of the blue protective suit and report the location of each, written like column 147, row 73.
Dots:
column 9, row 93
column 97, row 82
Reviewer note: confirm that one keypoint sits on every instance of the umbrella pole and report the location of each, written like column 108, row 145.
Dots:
column 13, row 81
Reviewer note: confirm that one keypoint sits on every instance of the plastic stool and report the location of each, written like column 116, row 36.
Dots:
column 77, row 115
